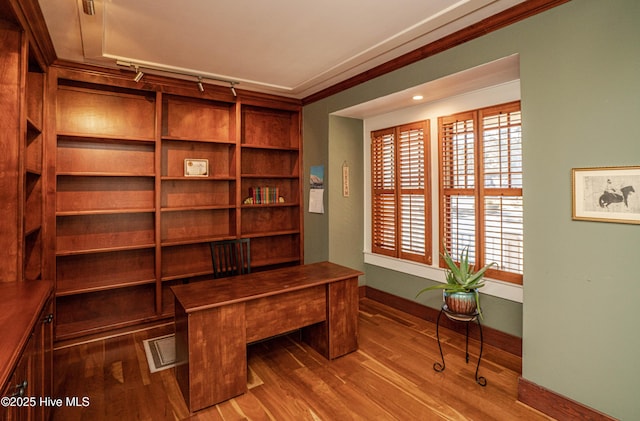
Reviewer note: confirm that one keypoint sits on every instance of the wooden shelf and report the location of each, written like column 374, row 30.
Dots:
column 103, row 174
column 269, row 205
column 86, row 251
column 95, row 157
column 273, row 262
column 34, row 230
column 33, row 126
column 105, row 212
column 269, row 219
column 207, row 193
column 62, row 292
column 221, row 158
column 275, row 249
column 188, row 139
column 260, row 147
column 268, row 176
column 289, row 188
column 83, row 314
column 189, row 275
column 181, row 261
column 79, row 273
column 198, row 179
column 270, row 233
column 105, row 138
column 33, row 255
column 196, row 208
column 193, row 224
column 83, row 193
column 195, row 240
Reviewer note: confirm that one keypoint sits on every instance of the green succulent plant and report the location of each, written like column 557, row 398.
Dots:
column 461, row 277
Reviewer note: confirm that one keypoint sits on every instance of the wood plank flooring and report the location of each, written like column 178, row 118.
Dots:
column 390, row 377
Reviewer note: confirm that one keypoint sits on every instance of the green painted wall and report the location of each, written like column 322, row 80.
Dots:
column 346, row 224
column 581, row 100
column 580, row 86
column 315, row 152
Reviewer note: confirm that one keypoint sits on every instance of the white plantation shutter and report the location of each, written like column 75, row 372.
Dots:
column 481, row 187
column 383, row 186
column 502, row 170
column 413, row 184
column 458, row 181
column 400, row 186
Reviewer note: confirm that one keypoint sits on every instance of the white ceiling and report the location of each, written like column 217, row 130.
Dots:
column 292, row 48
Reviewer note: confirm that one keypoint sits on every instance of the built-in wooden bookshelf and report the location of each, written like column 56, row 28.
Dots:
column 33, row 184
column 194, row 210
column 105, row 207
column 270, row 156
column 131, row 223
column 27, row 347
column 21, row 161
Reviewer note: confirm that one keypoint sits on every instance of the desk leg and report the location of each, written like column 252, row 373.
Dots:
column 216, row 367
column 338, row 335
column 342, row 314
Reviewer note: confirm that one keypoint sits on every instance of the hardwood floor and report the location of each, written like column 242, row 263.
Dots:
column 390, row 377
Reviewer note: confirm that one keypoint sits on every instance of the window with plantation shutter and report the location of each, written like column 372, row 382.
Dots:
column 401, row 192
column 481, row 187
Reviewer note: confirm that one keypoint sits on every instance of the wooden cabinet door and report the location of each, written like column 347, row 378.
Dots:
column 17, row 390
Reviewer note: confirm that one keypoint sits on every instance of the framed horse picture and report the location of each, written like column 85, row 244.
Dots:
column 606, row 194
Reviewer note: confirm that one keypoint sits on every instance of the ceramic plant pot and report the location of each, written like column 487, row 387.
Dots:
column 460, row 302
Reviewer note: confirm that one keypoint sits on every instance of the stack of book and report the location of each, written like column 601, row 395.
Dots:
column 264, row 195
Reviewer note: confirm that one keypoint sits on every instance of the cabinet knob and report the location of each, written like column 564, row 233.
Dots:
column 20, row 389
column 48, row 318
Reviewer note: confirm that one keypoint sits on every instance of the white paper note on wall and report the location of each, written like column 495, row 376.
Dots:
column 316, row 202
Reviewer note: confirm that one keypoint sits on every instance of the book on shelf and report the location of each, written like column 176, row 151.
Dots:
column 264, row 195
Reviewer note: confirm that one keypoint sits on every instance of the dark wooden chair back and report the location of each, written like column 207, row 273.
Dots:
column 231, row 257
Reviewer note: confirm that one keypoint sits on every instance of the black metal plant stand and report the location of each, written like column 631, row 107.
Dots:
column 464, row 319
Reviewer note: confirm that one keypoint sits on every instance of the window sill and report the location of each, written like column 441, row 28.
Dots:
column 492, row 287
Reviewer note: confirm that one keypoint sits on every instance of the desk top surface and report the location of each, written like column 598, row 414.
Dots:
column 218, row 292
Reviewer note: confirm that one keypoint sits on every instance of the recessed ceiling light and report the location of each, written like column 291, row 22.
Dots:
column 417, row 97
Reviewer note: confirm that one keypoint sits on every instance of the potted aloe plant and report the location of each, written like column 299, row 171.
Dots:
column 461, row 289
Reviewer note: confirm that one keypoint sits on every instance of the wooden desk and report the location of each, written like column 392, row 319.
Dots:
column 215, row 320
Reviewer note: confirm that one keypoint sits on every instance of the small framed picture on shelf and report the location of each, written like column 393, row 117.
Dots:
column 606, row 194
column 196, row 167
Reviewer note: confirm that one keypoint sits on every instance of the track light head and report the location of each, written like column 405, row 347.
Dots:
column 200, row 85
column 139, row 74
column 233, row 90
column 88, row 7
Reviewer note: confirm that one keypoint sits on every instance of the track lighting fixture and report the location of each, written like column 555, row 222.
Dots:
column 137, row 67
column 88, row 7
column 139, row 74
